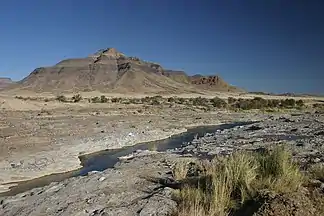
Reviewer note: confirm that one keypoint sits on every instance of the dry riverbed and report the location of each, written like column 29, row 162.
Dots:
column 38, row 138
column 126, row 189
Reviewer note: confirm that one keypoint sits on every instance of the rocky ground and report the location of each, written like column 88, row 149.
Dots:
column 127, row 190
column 303, row 133
column 40, row 138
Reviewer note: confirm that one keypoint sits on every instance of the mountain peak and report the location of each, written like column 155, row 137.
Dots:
column 111, row 52
column 112, row 71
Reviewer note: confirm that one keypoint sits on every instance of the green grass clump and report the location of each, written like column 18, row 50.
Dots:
column 228, row 182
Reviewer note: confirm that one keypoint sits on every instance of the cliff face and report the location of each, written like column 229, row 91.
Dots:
column 109, row 70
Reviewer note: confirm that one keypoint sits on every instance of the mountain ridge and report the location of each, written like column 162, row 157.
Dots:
column 5, row 82
column 109, row 70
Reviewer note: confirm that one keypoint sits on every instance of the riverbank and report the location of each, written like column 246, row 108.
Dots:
column 125, row 189
column 36, row 143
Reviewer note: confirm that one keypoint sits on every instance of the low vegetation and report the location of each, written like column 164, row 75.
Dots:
column 226, row 183
column 199, row 102
column 76, row 98
column 61, row 98
column 317, row 172
column 319, row 107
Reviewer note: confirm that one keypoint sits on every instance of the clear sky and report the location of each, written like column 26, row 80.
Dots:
column 260, row 45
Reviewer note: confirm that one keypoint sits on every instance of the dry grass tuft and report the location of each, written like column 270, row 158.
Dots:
column 278, row 172
column 317, row 172
column 228, row 182
column 180, row 169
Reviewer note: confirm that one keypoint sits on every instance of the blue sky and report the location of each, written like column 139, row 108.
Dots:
column 274, row 46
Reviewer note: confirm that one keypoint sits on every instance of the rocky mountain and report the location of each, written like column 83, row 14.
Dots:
column 5, row 82
column 111, row 71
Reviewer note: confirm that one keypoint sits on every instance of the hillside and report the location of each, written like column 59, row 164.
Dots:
column 5, row 82
column 111, row 71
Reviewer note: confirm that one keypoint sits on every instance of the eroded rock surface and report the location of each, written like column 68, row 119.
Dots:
column 126, row 190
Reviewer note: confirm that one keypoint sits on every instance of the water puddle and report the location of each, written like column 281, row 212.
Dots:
column 102, row 160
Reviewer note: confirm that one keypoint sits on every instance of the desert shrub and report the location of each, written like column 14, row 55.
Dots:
column 135, row 101
column 300, row 103
column 231, row 100
column 103, row 99
column 218, row 102
column 61, row 98
column 259, row 103
column 171, row 100
column 76, row 98
column 155, row 101
column 244, row 104
column 19, row 97
column 116, row 100
column 288, row 103
column 146, row 100
column 180, row 100
column 273, row 103
column 95, row 100
column 200, row 101
column 228, row 182
column 318, row 106
column 157, row 97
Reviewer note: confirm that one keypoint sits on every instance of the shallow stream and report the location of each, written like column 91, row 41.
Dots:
column 105, row 159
